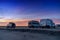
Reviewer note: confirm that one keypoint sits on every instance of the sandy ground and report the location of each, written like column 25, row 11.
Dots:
column 13, row 35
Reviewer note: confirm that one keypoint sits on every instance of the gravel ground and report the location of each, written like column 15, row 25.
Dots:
column 14, row 35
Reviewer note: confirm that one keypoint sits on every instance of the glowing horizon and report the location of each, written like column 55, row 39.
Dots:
column 22, row 22
column 21, row 11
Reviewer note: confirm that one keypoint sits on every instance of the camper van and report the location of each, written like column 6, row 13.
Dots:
column 33, row 24
column 47, row 23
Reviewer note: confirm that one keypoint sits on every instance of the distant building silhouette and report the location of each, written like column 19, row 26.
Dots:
column 11, row 25
column 48, row 23
column 33, row 24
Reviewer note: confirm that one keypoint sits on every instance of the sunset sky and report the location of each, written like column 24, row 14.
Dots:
column 21, row 11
